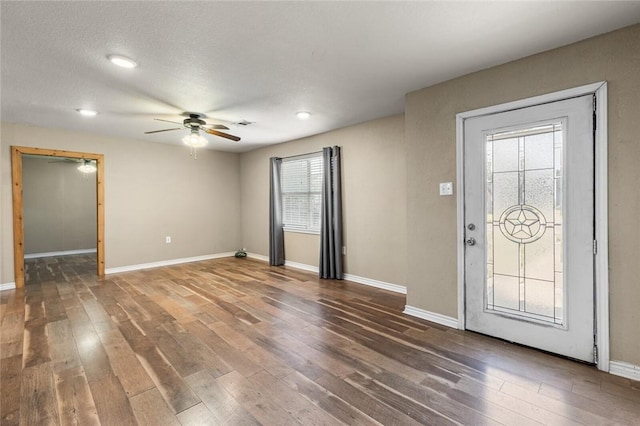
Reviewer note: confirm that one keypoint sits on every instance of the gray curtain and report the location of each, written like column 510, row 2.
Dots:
column 331, row 225
column 276, row 226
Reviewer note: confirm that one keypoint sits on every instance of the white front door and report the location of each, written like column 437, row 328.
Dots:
column 529, row 226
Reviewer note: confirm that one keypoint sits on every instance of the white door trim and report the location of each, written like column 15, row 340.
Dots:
column 601, row 208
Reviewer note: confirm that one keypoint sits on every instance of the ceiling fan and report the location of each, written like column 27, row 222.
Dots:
column 195, row 123
column 85, row 165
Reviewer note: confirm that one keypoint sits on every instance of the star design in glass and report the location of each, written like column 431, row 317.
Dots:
column 522, row 224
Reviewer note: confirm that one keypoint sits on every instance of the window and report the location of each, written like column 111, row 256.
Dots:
column 302, row 193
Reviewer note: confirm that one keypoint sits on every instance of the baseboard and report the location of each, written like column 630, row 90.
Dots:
column 258, row 257
column 355, row 278
column 625, row 369
column 375, row 283
column 7, row 286
column 170, row 262
column 304, row 267
column 59, row 253
column 431, row 316
column 288, row 263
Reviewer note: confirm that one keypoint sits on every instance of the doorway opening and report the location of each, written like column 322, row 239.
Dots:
column 17, row 167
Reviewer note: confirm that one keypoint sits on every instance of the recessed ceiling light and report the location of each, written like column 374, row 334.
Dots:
column 122, row 61
column 303, row 115
column 87, row 112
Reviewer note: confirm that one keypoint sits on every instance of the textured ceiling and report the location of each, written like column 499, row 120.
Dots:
column 345, row 62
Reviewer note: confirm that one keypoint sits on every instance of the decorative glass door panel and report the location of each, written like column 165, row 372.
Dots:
column 528, row 214
column 524, row 222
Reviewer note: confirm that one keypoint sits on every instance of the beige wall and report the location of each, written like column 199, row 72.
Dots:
column 431, row 141
column 151, row 190
column 4, row 179
column 59, row 206
column 374, row 200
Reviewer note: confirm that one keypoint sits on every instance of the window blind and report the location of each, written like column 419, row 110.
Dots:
column 301, row 180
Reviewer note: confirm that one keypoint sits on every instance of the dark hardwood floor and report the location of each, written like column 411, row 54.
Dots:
column 56, row 268
column 234, row 341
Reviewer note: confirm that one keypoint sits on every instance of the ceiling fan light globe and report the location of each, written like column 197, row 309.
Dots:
column 87, row 168
column 194, row 140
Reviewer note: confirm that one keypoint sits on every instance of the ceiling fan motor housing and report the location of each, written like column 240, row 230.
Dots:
column 193, row 121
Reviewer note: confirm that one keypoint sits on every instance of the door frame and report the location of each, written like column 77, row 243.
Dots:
column 601, row 260
column 17, row 195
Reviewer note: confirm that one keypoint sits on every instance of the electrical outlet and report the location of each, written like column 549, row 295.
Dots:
column 167, row 240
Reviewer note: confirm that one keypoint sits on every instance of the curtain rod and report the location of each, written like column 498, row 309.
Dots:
column 301, row 155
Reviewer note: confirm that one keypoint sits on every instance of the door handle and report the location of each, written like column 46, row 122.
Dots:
column 470, row 241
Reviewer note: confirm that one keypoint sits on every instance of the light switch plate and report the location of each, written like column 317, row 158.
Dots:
column 446, row 188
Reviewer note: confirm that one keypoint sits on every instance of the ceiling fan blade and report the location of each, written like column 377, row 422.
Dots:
column 164, row 130
column 216, row 126
column 65, row 160
column 168, row 121
column 222, row 135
